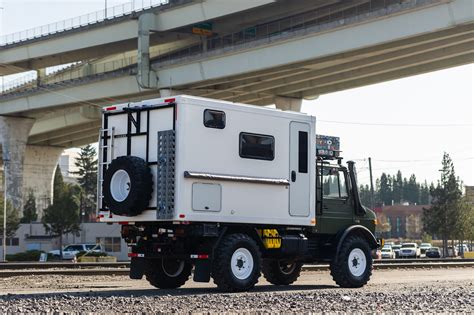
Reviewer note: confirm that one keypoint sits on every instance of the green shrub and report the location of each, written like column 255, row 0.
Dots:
column 31, row 255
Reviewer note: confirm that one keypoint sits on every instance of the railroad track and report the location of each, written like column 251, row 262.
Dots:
column 122, row 268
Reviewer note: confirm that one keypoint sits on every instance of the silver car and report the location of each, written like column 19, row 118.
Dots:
column 70, row 251
column 409, row 250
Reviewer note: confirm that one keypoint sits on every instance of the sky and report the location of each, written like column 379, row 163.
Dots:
column 404, row 124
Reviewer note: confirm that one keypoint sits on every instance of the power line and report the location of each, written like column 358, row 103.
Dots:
column 393, row 124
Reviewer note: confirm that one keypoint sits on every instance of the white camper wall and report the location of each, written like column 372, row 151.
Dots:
column 216, row 151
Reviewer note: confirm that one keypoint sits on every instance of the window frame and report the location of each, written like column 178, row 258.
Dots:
column 217, row 111
column 258, row 135
column 344, row 177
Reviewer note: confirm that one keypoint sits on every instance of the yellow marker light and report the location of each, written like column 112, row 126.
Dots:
column 313, row 221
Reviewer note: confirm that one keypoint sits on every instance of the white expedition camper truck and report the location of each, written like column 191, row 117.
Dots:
column 231, row 190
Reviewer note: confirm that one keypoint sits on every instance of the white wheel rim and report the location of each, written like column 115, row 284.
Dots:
column 120, row 185
column 241, row 263
column 176, row 273
column 357, row 262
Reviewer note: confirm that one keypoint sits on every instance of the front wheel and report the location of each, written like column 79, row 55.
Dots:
column 236, row 264
column 352, row 266
column 167, row 273
column 281, row 272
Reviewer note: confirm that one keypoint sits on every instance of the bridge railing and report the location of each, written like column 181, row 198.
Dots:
column 305, row 23
column 80, row 21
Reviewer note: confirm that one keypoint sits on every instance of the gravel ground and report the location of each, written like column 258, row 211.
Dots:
column 390, row 291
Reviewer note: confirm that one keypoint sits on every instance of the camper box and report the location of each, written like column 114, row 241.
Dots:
column 198, row 160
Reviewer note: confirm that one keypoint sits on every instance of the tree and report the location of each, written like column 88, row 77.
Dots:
column 397, row 190
column 424, row 194
column 364, row 193
column 13, row 219
column 412, row 190
column 385, row 191
column 87, row 171
column 62, row 216
column 445, row 214
column 29, row 209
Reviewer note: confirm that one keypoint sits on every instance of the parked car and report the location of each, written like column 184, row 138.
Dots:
column 433, row 252
column 452, row 252
column 387, row 252
column 70, row 251
column 376, row 254
column 410, row 250
column 396, row 250
column 462, row 248
column 423, row 248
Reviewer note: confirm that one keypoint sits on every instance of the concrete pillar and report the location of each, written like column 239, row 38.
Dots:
column 288, row 103
column 146, row 77
column 38, row 174
column 14, row 133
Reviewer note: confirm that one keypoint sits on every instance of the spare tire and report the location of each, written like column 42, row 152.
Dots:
column 127, row 186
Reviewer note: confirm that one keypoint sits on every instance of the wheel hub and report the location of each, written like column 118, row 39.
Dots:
column 357, row 262
column 242, row 263
column 120, row 185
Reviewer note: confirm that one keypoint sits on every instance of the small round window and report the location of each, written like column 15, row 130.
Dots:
column 214, row 119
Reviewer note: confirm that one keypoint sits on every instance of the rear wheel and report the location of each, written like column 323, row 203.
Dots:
column 281, row 272
column 167, row 273
column 236, row 265
column 352, row 266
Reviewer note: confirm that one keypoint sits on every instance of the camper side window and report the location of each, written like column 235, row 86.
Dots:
column 254, row 146
column 214, row 119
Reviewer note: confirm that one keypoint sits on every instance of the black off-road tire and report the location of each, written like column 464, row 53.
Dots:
column 161, row 278
column 340, row 271
column 222, row 273
column 276, row 271
column 140, row 189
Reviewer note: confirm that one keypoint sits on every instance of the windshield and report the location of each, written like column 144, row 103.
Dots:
column 396, row 246
column 386, row 250
column 408, row 245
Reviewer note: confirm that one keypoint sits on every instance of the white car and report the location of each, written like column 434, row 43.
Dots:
column 423, row 248
column 70, row 251
column 387, row 252
column 409, row 250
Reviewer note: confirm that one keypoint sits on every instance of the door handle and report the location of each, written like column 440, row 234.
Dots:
column 293, row 176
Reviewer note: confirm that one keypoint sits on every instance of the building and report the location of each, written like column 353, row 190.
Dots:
column 34, row 237
column 401, row 221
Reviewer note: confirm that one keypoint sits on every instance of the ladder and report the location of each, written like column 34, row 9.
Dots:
column 104, row 136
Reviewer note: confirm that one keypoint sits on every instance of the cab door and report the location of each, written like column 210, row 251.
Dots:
column 299, row 204
column 337, row 210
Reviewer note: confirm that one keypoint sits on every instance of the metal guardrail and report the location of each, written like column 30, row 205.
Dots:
column 80, row 21
column 309, row 22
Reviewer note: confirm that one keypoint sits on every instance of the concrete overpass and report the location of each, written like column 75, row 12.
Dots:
column 261, row 52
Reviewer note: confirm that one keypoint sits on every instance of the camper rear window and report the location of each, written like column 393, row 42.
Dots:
column 214, row 119
column 254, row 146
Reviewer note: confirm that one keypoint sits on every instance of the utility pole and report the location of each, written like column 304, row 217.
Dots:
column 105, row 12
column 4, row 238
column 372, row 199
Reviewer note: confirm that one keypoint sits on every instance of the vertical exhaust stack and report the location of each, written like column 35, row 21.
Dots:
column 355, row 189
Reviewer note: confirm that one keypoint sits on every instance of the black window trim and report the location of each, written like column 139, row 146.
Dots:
column 213, row 110
column 260, row 135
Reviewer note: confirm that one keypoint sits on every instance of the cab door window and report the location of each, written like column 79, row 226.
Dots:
column 334, row 184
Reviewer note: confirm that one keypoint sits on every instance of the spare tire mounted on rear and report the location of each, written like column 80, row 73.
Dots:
column 127, row 186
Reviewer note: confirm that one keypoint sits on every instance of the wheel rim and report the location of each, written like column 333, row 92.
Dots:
column 357, row 262
column 286, row 268
column 120, row 185
column 242, row 263
column 172, row 268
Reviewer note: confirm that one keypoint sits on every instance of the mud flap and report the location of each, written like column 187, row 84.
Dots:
column 137, row 268
column 202, row 270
